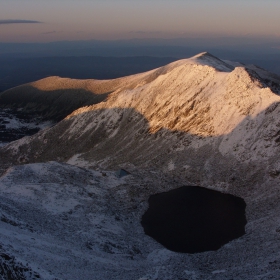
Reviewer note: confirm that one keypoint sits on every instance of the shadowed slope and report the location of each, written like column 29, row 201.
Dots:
column 52, row 98
column 49, row 105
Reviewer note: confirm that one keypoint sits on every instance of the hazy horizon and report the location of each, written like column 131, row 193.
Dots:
column 48, row 21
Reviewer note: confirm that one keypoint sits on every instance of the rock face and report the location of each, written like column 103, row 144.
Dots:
column 197, row 121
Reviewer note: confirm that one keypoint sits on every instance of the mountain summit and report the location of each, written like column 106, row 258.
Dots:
column 206, row 58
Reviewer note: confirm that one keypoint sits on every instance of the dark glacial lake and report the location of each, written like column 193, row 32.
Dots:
column 194, row 219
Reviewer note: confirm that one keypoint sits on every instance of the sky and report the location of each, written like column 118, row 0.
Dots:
column 56, row 20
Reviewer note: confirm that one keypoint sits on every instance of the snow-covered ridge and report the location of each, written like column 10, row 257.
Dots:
column 202, row 100
column 200, row 97
column 196, row 121
column 191, row 97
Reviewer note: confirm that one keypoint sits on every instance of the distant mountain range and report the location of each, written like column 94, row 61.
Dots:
column 27, row 62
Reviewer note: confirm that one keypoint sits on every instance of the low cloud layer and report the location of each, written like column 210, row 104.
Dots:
column 13, row 21
column 49, row 32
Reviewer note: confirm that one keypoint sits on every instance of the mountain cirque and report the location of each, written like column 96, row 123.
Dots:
column 198, row 121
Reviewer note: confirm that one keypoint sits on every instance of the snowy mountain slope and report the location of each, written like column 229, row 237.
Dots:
column 68, row 222
column 188, row 106
column 54, row 97
column 198, row 121
column 49, row 100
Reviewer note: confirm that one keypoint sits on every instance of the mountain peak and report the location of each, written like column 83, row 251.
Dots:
column 204, row 54
column 206, row 58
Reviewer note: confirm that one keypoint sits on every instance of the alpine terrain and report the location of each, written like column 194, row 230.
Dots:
column 202, row 121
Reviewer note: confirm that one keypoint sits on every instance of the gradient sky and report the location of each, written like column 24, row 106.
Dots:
column 53, row 20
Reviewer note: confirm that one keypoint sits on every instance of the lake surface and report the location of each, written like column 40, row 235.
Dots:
column 193, row 219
